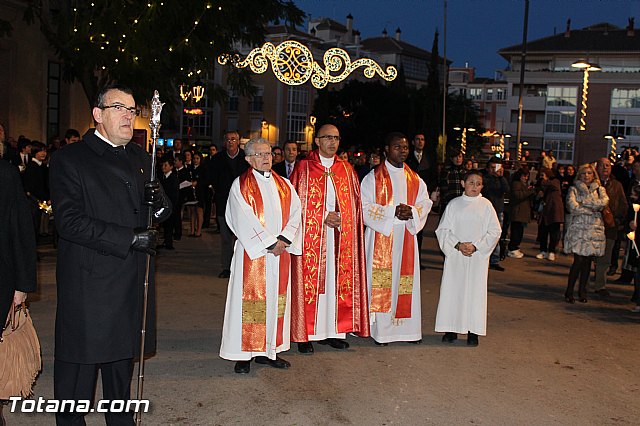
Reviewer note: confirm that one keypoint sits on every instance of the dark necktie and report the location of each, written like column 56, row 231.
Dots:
column 289, row 169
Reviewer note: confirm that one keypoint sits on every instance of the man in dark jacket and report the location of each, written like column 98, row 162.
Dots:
column 225, row 167
column 17, row 244
column 169, row 182
column 419, row 162
column 101, row 198
column 618, row 205
column 494, row 188
column 450, row 178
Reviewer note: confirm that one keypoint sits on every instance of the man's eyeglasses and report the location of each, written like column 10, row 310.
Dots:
column 330, row 138
column 123, row 109
column 261, row 155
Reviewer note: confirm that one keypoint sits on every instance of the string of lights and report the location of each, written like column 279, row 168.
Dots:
column 293, row 64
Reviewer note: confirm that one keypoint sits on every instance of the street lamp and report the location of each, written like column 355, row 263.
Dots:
column 463, row 140
column 613, row 139
column 265, row 125
column 196, row 92
column 586, row 67
column 502, row 136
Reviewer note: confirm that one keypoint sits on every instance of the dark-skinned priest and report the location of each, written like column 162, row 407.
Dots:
column 395, row 205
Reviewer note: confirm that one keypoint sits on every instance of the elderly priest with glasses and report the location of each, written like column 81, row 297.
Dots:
column 263, row 211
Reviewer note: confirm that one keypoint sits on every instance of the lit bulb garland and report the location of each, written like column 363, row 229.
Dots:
column 292, row 63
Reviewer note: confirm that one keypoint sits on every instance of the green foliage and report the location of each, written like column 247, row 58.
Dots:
column 154, row 45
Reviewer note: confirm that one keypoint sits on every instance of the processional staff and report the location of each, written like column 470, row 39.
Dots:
column 154, row 125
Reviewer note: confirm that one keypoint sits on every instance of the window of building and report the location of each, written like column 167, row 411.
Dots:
column 232, row 103
column 199, row 127
column 562, row 96
column 625, row 98
column 414, row 67
column 475, row 93
column 562, row 149
column 297, row 113
column 628, row 125
column 489, row 94
column 501, row 94
column 256, row 102
column 53, row 100
column 560, row 122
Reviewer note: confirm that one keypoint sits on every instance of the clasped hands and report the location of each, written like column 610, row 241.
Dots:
column 467, row 249
column 333, row 220
column 404, row 212
column 279, row 248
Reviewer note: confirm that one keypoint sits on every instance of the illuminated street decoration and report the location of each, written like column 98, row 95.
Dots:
column 292, row 63
column 586, row 67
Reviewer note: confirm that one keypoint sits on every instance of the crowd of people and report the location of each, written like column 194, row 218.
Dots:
column 315, row 246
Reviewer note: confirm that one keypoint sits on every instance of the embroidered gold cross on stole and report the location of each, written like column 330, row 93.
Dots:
column 376, row 212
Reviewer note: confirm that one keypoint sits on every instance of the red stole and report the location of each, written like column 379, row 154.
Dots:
column 254, row 280
column 381, row 274
column 310, row 178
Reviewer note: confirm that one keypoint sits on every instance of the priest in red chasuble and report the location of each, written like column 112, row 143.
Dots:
column 328, row 282
column 263, row 211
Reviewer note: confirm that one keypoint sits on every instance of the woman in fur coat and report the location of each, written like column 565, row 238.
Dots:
column 584, row 228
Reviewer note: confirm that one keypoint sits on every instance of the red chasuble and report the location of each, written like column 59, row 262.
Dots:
column 310, row 178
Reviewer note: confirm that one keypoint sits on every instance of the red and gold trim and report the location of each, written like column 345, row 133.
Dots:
column 310, row 180
column 381, row 274
column 254, row 279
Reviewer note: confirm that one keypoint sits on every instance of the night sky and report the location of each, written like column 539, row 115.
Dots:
column 476, row 29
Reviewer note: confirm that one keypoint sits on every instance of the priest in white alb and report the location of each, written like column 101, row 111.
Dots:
column 395, row 205
column 263, row 211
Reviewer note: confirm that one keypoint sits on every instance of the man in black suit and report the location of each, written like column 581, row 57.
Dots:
column 225, row 167
column 419, row 162
column 169, row 182
column 24, row 154
column 101, row 198
column 17, row 244
column 185, row 193
column 285, row 168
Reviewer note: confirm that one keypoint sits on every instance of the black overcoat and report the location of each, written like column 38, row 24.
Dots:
column 97, row 197
column 17, row 240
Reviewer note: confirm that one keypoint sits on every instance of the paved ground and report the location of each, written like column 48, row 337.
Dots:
column 542, row 362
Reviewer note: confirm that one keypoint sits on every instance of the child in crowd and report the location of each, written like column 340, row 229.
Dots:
column 468, row 232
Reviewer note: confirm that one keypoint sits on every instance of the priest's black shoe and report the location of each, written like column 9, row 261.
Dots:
column 224, row 274
column 275, row 363
column 449, row 337
column 496, row 267
column 335, row 343
column 380, row 344
column 416, row 342
column 305, row 348
column 242, row 367
column 472, row 339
